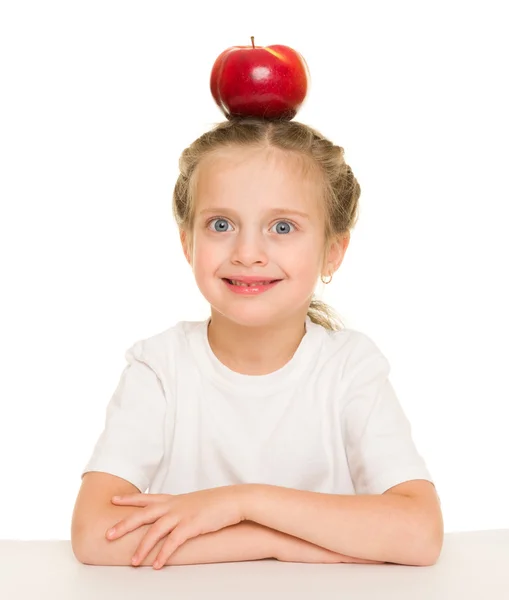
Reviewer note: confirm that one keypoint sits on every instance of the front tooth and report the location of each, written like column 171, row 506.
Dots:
column 250, row 284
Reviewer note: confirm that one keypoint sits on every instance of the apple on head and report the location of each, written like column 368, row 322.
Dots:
column 268, row 82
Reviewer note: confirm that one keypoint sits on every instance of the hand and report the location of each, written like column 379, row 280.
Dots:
column 182, row 516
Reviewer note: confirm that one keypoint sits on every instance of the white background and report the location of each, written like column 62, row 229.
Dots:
column 98, row 100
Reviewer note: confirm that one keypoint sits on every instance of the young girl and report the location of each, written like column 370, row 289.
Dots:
column 266, row 430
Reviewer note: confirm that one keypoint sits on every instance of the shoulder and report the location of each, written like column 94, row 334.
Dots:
column 351, row 347
column 352, row 360
column 160, row 349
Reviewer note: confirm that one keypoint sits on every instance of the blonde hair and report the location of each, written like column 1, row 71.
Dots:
column 341, row 190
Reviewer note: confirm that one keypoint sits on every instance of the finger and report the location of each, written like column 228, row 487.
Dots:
column 138, row 518
column 177, row 537
column 155, row 533
column 139, row 499
column 134, row 499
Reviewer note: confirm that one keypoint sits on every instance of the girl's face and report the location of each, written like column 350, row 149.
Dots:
column 257, row 214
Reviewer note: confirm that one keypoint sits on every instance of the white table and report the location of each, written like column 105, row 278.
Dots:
column 473, row 565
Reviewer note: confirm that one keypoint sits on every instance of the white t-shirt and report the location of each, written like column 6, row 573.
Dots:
column 328, row 421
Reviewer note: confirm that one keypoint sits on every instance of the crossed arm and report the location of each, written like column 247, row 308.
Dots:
column 404, row 525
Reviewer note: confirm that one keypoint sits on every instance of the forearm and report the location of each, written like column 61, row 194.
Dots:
column 387, row 527
column 251, row 541
column 294, row 549
column 241, row 542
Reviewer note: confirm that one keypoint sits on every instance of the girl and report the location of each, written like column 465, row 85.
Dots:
column 268, row 429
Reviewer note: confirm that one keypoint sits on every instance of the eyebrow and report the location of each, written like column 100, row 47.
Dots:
column 279, row 211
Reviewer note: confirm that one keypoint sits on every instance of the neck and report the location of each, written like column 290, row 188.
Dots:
column 255, row 350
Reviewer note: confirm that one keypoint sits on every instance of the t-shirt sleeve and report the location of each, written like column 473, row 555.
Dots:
column 377, row 434
column 131, row 445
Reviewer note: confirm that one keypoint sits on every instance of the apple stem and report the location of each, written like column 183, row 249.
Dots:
column 252, row 40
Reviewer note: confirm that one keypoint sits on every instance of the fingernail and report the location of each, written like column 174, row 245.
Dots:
column 134, row 560
column 111, row 532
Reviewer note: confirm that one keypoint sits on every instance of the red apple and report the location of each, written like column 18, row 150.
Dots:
column 254, row 81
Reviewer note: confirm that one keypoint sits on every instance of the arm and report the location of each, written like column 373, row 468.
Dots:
column 391, row 527
column 242, row 542
column 245, row 541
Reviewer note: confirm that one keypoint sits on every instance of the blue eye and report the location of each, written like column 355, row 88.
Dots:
column 222, row 227
column 287, row 224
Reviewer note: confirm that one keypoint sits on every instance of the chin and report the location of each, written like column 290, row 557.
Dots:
column 258, row 311
column 254, row 314
column 256, row 317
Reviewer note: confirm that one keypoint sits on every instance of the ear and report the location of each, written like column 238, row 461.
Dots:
column 184, row 240
column 335, row 254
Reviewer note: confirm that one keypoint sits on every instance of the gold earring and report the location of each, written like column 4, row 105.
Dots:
column 326, row 282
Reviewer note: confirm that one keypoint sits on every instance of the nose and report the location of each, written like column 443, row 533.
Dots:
column 249, row 248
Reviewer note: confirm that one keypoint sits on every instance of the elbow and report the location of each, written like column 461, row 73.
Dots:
column 86, row 552
column 77, row 540
column 79, row 550
column 435, row 550
column 81, row 544
column 433, row 541
column 92, row 548
column 431, row 556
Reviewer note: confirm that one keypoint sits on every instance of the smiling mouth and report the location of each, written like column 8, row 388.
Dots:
column 253, row 284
